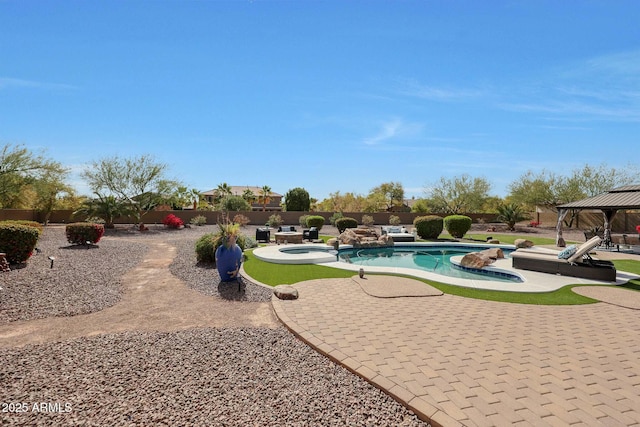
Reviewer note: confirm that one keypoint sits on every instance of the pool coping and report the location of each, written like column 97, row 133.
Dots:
column 532, row 281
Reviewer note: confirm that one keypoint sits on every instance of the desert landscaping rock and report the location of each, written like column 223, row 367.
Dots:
column 286, row 292
column 213, row 377
column 223, row 376
column 81, row 281
column 523, row 243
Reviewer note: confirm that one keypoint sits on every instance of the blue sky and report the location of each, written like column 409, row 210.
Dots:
column 325, row 95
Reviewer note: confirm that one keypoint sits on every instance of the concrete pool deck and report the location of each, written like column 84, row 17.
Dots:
column 465, row 362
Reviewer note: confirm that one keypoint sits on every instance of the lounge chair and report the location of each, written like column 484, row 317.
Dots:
column 580, row 264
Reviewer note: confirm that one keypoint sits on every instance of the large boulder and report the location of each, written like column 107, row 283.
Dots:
column 476, row 260
column 494, row 253
column 523, row 243
column 482, row 258
column 286, row 292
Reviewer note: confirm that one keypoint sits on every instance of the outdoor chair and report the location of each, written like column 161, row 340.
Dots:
column 310, row 234
column 286, row 228
column 263, row 235
column 578, row 262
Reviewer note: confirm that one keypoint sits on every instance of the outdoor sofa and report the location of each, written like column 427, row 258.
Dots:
column 398, row 233
column 577, row 264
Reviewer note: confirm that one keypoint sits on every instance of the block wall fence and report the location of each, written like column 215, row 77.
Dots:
column 623, row 222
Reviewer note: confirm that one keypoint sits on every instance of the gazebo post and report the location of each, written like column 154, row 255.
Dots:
column 562, row 213
column 608, row 219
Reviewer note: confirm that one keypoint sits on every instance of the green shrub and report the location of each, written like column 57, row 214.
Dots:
column 79, row 233
column 336, row 216
column 275, row 221
column 198, row 220
column 457, row 225
column 367, row 220
column 34, row 224
column 207, row 244
column 429, row 226
column 346, row 222
column 206, row 248
column 18, row 241
column 394, row 220
column 303, row 220
column 316, row 221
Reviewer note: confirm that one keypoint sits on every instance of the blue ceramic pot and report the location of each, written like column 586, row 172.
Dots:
column 228, row 260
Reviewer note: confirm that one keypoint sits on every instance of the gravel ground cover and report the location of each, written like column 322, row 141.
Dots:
column 215, row 377
column 82, row 280
column 204, row 376
column 204, row 277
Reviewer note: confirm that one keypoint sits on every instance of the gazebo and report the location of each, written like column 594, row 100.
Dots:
column 621, row 198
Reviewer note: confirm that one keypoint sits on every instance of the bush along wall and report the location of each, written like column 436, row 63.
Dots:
column 346, row 222
column 81, row 233
column 18, row 241
column 457, row 225
column 429, row 226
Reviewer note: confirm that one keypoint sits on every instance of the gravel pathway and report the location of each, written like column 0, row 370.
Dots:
column 201, row 376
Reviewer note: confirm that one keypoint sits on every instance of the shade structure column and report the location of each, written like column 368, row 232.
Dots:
column 608, row 219
column 562, row 214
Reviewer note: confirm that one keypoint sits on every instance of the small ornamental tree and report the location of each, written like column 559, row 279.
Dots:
column 297, row 199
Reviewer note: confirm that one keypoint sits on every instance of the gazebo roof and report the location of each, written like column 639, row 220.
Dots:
column 626, row 197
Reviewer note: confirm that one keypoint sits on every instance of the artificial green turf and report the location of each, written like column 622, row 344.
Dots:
column 278, row 274
column 285, row 274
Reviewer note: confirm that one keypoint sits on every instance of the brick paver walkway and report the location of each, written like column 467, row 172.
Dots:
column 461, row 361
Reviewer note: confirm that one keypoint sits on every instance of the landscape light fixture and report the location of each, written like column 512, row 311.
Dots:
column 51, row 259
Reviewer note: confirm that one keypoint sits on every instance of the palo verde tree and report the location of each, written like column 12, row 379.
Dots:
column 297, row 199
column 20, row 170
column 390, row 193
column 458, row 195
column 139, row 181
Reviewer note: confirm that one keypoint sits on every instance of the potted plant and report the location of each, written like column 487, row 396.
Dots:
column 228, row 254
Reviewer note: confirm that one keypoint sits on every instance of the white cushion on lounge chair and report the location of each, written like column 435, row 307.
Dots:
column 585, row 248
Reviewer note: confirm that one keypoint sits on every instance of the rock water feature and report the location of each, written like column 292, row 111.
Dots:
column 364, row 237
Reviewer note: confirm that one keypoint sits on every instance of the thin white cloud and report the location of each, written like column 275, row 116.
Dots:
column 606, row 87
column 8, row 83
column 393, row 129
column 437, row 93
column 620, row 63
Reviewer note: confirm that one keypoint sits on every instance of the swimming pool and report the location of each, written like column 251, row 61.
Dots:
column 443, row 259
column 422, row 259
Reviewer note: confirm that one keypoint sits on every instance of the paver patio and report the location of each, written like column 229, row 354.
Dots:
column 462, row 361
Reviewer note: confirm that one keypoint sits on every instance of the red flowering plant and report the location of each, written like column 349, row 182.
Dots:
column 172, row 221
column 638, row 228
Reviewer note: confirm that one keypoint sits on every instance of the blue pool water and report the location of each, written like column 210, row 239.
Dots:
column 436, row 259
